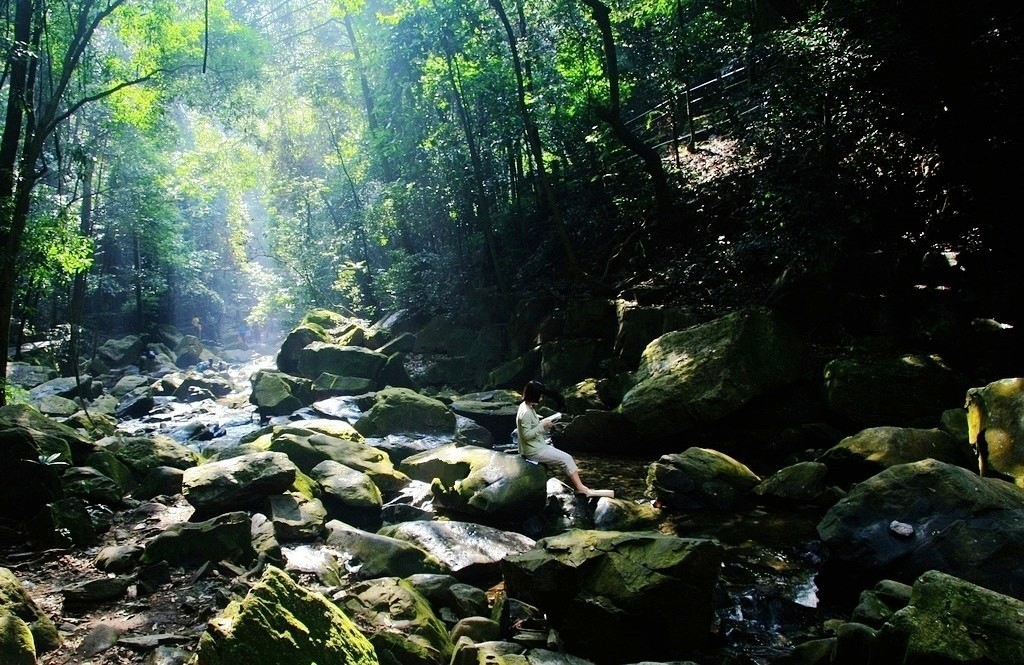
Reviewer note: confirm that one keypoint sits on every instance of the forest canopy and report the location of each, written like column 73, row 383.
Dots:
column 245, row 161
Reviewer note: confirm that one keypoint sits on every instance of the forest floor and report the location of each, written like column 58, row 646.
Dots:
column 125, row 630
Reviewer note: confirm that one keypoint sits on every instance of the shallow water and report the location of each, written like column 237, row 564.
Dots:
column 767, row 591
column 766, row 594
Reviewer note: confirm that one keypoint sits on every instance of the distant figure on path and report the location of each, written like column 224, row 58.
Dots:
column 198, row 325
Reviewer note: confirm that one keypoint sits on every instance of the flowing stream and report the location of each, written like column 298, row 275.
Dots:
column 766, row 594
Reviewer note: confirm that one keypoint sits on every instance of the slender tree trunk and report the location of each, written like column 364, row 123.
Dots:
column 533, row 139
column 613, row 117
column 483, row 211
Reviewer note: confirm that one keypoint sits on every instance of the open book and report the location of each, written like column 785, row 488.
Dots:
column 553, row 418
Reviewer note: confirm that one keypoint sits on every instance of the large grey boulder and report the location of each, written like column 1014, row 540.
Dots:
column 308, row 443
column 65, row 386
column 142, row 454
column 996, row 427
column 277, row 393
column 952, row 621
column 908, row 391
column 348, row 494
column 403, row 411
column 618, row 596
column 322, row 358
column 27, row 375
column 279, row 621
column 696, row 377
column 225, row 537
column 927, row 515
column 870, row 451
column 122, row 351
column 239, row 483
column 700, row 479
column 399, row 622
column 472, row 552
column 480, row 482
column 374, row 555
column 298, row 339
column 296, row 516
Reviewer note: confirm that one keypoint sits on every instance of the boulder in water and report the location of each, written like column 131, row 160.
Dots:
column 621, row 597
column 239, row 483
column 374, row 555
column 403, row 411
column 959, row 523
column 700, row 479
column 868, row 452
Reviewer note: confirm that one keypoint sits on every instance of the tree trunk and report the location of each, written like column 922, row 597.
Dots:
column 533, row 138
column 613, row 117
column 483, row 212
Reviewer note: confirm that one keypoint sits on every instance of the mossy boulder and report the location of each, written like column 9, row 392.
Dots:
column 142, row 454
column 225, row 537
column 800, row 483
column 326, row 319
column 515, row 373
column 300, row 337
column 63, row 523
column 869, row 451
column 995, row 419
column 50, row 436
column 394, row 607
column 374, row 555
column 403, row 411
column 296, row 516
column 309, row 447
column 281, row 623
column 348, row 494
column 276, row 393
column 26, row 484
column 320, row 357
column 332, row 385
column 617, row 596
column 17, row 646
column 122, row 351
column 238, row 483
column 479, row 482
column 15, row 601
column 698, row 376
column 951, row 518
column 950, row 620
column 700, row 479
column 91, row 486
column 905, row 391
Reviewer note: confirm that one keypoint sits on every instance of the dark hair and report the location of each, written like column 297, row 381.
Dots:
column 534, row 390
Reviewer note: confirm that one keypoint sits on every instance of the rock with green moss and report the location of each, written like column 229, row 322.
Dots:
column 56, row 406
column 298, row 339
column 349, row 495
column 950, row 620
column 393, row 609
column 515, row 373
column 17, row 646
column 321, row 357
column 800, row 483
column 276, row 393
column 374, row 555
column 308, row 448
column 869, row 451
column 995, row 420
column 107, row 463
column 94, row 424
column 282, row 623
column 906, row 391
column 50, row 436
column 332, row 385
column 479, row 482
column 142, row 454
column 624, row 515
column 27, row 483
column 63, row 523
column 91, row 486
column 296, row 517
column 239, row 483
column 326, row 319
column 403, row 411
column 15, row 601
column 698, row 376
column 621, row 596
column 225, row 537
column 700, row 479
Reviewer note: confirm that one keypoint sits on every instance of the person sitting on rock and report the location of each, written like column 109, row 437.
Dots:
column 533, row 444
